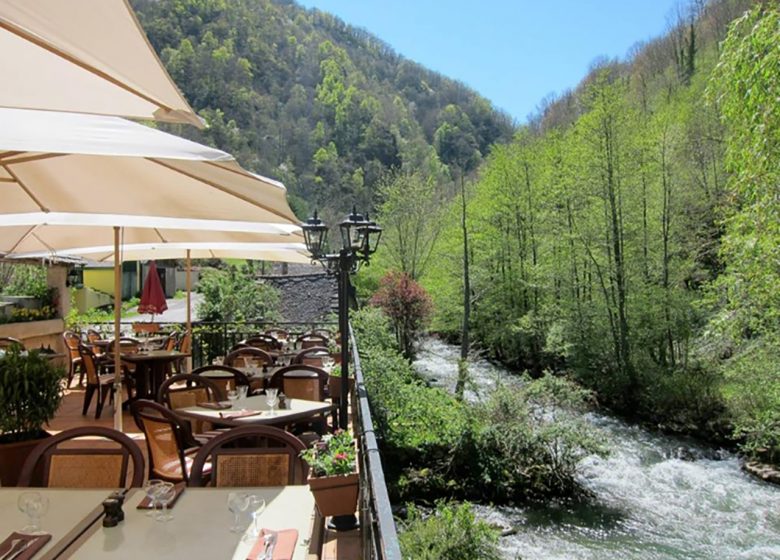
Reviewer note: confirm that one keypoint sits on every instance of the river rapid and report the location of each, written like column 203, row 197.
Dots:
column 656, row 496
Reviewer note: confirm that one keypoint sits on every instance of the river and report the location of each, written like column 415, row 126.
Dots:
column 656, row 496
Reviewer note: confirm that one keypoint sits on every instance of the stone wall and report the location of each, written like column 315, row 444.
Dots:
column 305, row 297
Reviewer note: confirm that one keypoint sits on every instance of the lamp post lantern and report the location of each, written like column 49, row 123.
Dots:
column 359, row 239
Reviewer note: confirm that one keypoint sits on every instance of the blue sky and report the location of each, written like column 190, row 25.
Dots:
column 514, row 52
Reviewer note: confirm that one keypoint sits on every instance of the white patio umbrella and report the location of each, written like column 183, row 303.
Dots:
column 84, row 56
column 62, row 169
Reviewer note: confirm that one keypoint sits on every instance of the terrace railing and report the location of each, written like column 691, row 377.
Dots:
column 380, row 539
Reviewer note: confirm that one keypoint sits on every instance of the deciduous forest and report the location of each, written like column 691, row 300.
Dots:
column 626, row 235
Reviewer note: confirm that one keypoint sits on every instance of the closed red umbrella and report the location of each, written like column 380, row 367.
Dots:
column 152, row 296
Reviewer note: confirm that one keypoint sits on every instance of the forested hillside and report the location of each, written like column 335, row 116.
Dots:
column 628, row 235
column 300, row 96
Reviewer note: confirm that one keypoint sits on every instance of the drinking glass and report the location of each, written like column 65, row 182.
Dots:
column 237, row 503
column 35, row 506
column 232, row 396
column 327, row 362
column 152, row 487
column 165, row 494
column 256, row 507
column 270, row 398
column 218, row 360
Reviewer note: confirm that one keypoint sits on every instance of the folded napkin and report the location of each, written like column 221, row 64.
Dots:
column 284, row 548
column 146, row 503
column 29, row 544
column 214, row 405
column 240, row 414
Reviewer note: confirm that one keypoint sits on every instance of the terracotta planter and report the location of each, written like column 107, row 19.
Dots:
column 334, row 385
column 335, row 495
column 13, row 456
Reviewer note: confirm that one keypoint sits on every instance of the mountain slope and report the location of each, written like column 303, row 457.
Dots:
column 299, row 95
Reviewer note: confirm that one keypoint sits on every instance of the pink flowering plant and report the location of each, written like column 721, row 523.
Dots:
column 332, row 455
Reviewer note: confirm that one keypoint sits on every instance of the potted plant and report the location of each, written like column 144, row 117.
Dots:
column 30, row 392
column 333, row 477
column 334, row 382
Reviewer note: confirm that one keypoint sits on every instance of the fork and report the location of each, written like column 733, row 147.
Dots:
column 18, row 551
column 14, row 542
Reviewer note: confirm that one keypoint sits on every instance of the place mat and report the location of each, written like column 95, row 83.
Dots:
column 284, row 548
column 214, row 405
column 18, row 541
column 240, row 414
column 146, row 503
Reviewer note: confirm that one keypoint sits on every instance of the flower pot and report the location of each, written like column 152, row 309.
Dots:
column 334, row 386
column 13, row 455
column 335, row 495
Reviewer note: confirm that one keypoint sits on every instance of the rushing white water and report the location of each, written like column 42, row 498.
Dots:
column 656, row 496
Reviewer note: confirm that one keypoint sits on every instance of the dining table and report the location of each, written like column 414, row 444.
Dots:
column 200, row 527
column 255, row 410
column 150, row 369
column 70, row 513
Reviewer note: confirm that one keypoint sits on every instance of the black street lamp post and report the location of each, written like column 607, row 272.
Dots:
column 359, row 240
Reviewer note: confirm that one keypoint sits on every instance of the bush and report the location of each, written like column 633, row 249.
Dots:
column 407, row 305
column 452, row 532
column 233, row 295
column 520, row 444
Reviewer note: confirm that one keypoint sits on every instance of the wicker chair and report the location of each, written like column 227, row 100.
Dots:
column 72, row 343
column 239, row 357
column 97, row 382
column 8, row 341
column 84, row 466
column 310, row 340
column 169, row 442
column 183, row 390
column 225, row 377
column 300, row 381
column 250, row 456
column 313, row 356
column 263, row 342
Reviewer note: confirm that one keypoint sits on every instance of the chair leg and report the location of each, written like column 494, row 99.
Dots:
column 102, row 392
column 87, row 399
column 71, row 371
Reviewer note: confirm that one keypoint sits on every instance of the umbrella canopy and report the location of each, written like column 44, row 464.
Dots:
column 152, row 295
column 87, row 57
column 64, row 169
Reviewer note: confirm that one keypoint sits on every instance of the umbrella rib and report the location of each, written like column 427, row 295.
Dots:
column 42, row 44
column 8, row 154
column 22, row 238
column 23, row 187
column 160, row 235
column 27, row 159
column 219, row 188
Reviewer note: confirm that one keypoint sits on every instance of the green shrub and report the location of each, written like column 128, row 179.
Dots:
column 452, row 532
column 519, row 444
column 30, row 393
column 234, row 295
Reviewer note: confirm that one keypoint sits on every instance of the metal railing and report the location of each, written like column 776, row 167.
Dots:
column 379, row 535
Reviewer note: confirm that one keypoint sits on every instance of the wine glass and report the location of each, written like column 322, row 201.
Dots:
column 237, row 503
column 242, row 391
column 232, row 396
column 327, row 362
column 152, row 487
column 270, row 398
column 165, row 495
column 35, row 506
column 256, row 507
column 218, row 360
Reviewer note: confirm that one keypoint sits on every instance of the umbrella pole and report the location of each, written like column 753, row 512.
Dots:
column 189, row 304
column 117, row 319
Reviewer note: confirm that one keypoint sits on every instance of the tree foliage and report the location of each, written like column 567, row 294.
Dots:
column 234, row 295
column 301, row 96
